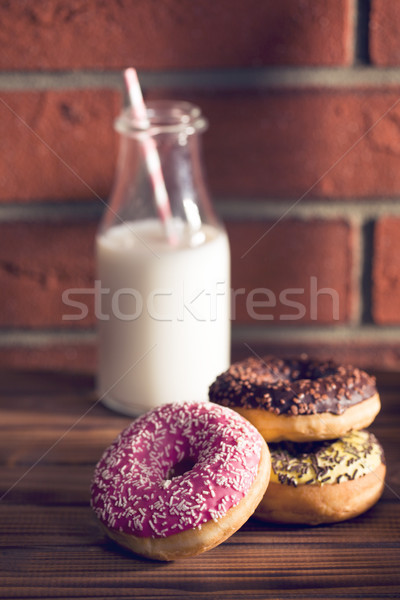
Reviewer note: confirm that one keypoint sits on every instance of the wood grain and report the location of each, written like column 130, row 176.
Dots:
column 52, row 432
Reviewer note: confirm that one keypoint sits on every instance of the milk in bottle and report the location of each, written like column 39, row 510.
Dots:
column 164, row 327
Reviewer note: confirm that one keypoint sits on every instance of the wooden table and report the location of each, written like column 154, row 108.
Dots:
column 53, row 432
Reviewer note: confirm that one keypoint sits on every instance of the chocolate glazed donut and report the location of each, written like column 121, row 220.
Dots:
column 298, row 399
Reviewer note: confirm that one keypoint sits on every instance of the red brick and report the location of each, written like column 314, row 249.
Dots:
column 57, row 144
column 284, row 255
column 41, row 260
column 386, row 271
column 312, row 142
column 277, row 143
column 38, row 262
column 77, row 358
column 376, row 355
column 150, row 34
column 384, row 33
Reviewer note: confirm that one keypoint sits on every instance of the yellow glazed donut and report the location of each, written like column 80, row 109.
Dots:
column 298, row 399
column 323, row 482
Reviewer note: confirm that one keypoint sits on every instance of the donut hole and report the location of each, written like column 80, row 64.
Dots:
column 181, row 467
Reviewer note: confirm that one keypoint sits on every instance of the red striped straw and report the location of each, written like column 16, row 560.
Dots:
column 151, row 154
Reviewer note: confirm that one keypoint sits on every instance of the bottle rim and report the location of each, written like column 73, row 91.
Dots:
column 163, row 116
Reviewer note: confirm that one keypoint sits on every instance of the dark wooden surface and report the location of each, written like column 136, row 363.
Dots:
column 52, row 433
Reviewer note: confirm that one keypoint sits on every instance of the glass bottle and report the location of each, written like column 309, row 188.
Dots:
column 164, row 294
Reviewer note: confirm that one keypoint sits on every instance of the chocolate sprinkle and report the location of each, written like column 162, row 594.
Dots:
column 292, row 386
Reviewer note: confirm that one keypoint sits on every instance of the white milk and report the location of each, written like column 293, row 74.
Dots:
column 167, row 337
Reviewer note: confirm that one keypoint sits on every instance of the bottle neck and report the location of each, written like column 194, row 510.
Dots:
column 178, row 149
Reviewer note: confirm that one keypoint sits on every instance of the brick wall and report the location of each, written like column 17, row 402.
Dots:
column 303, row 154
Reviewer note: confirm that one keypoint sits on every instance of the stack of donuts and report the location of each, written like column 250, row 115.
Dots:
column 182, row 478
column 325, row 466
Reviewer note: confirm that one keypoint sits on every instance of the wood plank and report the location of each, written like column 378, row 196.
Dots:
column 46, row 484
column 60, row 410
column 63, row 483
column 86, row 441
column 26, row 386
column 20, row 383
column 274, row 569
column 266, row 590
column 22, row 447
column 24, row 525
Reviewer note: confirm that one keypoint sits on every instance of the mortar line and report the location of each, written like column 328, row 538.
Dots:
column 50, row 211
column 356, row 270
column 41, row 337
column 361, row 32
column 324, row 208
column 357, row 278
column 316, row 333
column 230, row 210
column 354, row 20
column 366, row 274
column 258, row 332
column 201, row 79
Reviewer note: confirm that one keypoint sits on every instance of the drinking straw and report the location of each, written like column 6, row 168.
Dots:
column 151, row 154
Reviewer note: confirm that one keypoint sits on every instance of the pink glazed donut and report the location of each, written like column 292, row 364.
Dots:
column 180, row 480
